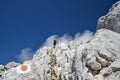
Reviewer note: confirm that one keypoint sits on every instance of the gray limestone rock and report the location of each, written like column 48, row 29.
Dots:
column 93, row 60
column 111, row 20
column 11, row 65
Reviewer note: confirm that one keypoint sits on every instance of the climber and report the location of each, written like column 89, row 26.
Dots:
column 54, row 43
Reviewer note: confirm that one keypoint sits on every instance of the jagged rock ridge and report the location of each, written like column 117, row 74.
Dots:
column 97, row 59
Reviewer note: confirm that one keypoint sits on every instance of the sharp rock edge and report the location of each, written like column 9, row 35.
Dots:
column 111, row 20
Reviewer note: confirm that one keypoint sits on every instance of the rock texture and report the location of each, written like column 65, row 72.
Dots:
column 97, row 59
column 111, row 20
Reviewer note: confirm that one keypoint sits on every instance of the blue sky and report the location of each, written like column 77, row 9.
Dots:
column 28, row 23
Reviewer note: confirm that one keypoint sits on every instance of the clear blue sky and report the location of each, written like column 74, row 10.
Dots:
column 27, row 23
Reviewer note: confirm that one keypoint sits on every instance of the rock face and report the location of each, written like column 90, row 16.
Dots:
column 111, row 20
column 97, row 59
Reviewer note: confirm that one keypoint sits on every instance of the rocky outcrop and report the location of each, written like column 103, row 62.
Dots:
column 97, row 59
column 111, row 20
column 7, row 67
column 11, row 65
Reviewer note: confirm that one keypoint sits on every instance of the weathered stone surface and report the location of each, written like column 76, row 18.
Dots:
column 88, row 76
column 11, row 65
column 102, row 61
column 2, row 69
column 115, row 66
column 111, row 20
column 98, row 77
column 92, row 61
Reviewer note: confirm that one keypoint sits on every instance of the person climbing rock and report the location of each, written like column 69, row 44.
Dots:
column 54, row 43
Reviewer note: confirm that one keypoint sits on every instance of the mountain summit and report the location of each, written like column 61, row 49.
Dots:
column 111, row 20
column 97, row 59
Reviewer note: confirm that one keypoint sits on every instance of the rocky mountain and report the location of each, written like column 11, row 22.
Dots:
column 97, row 59
column 111, row 20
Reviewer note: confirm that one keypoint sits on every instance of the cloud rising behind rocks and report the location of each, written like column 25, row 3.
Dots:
column 27, row 53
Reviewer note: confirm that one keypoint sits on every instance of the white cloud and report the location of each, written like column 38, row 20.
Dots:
column 84, row 37
column 25, row 54
column 50, row 40
column 78, row 37
column 65, row 38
